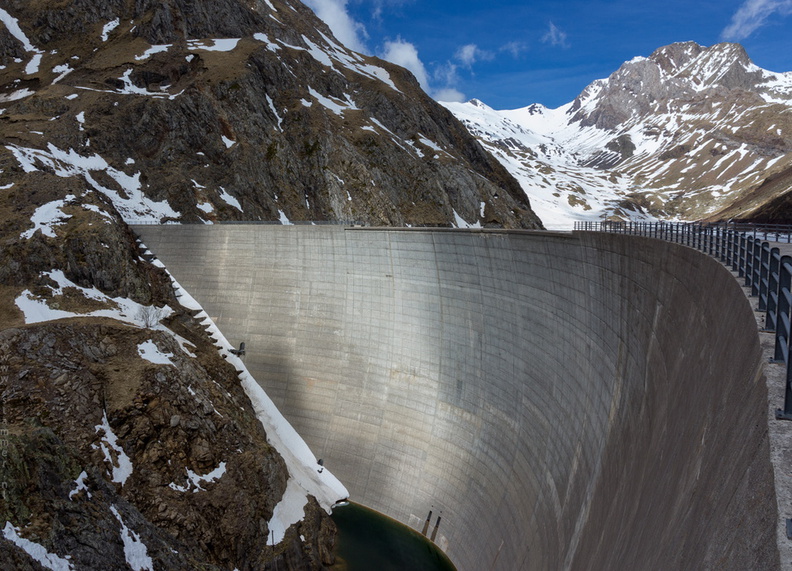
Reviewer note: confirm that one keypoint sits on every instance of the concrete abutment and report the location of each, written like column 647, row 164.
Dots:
column 583, row 401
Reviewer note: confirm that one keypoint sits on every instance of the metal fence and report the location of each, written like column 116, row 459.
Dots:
column 168, row 222
column 748, row 249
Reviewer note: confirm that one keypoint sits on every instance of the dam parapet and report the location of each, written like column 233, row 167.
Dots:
column 561, row 398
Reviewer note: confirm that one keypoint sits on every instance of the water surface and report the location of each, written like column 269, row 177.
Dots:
column 368, row 540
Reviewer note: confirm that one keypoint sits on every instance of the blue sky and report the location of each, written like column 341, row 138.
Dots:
column 511, row 53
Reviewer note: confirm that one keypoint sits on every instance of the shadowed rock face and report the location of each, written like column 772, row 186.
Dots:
column 562, row 401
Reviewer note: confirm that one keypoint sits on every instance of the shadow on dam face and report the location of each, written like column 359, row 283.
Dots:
column 580, row 401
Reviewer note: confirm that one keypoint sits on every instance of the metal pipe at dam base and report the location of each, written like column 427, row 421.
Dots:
column 567, row 401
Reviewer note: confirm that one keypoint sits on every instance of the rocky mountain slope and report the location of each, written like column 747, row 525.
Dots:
column 235, row 110
column 684, row 133
column 132, row 436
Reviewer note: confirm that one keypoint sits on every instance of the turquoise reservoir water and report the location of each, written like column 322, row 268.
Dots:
column 369, row 541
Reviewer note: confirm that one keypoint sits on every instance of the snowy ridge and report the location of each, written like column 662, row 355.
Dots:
column 36, row 310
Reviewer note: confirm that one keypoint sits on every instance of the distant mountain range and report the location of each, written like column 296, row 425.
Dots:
column 688, row 133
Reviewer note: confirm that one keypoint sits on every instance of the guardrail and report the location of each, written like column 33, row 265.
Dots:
column 747, row 249
column 168, row 222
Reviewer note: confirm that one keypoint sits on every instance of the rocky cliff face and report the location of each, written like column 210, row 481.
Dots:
column 685, row 132
column 236, row 110
column 112, row 459
column 129, row 435
column 126, row 438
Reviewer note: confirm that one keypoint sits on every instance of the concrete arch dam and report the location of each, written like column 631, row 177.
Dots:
column 561, row 401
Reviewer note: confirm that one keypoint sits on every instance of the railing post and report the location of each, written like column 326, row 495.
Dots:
column 764, row 275
column 772, row 289
column 722, row 244
column 749, row 263
column 783, row 333
column 784, row 282
column 707, row 240
column 756, row 266
column 711, row 240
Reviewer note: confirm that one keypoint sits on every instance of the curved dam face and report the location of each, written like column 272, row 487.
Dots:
column 581, row 401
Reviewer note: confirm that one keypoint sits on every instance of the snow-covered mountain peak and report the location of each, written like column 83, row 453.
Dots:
column 680, row 133
column 681, row 72
column 536, row 109
column 479, row 103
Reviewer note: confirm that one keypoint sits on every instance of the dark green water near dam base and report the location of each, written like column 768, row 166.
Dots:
column 370, row 540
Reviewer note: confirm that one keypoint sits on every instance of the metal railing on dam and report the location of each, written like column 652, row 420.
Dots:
column 557, row 399
column 750, row 252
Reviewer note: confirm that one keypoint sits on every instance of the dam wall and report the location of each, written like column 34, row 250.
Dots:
column 561, row 401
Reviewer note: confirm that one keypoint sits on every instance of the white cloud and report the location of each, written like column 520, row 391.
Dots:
column 752, row 15
column 450, row 95
column 555, row 37
column 446, row 74
column 380, row 6
column 514, row 48
column 405, row 54
column 348, row 31
column 353, row 35
column 471, row 53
